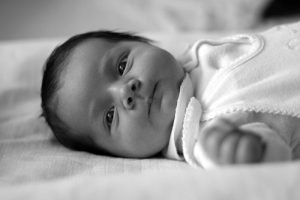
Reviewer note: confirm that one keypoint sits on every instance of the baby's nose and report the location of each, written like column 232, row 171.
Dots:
column 129, row 92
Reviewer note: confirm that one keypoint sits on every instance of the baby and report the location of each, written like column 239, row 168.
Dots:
column 228, row 101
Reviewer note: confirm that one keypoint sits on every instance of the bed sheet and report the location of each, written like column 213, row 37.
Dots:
column 264, row 182
column 34, row 166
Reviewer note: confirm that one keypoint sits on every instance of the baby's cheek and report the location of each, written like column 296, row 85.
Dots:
column 169, row 95
column 169, row 103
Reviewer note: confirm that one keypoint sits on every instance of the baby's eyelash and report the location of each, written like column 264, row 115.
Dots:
column 122, row 64
column 109, row 116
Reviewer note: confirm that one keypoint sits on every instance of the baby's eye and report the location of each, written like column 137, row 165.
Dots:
column 110, row 116
column 122, row 65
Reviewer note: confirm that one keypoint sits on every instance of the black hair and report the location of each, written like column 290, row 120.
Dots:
column 51, row 83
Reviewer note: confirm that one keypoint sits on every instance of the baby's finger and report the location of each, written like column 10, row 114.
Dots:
column 213, row 135
column 212, row 144
column 250, row 149
column 217, row 125
column 228, row 149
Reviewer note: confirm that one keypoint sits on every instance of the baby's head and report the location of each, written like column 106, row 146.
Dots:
column 111, row 92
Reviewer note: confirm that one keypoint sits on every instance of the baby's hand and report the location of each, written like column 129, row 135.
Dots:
column 226, row 143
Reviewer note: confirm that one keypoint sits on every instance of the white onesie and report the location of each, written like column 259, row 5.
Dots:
column 250, row 73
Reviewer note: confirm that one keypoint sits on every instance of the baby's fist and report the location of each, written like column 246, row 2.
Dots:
column 225, row 143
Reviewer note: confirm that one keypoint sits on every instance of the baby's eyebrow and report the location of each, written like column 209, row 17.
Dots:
column 104, row 60
column 107, row 58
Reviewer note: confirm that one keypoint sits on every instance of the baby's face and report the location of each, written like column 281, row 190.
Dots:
column 121, row 96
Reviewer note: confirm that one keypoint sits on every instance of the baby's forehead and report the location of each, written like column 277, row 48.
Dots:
column 104, row 42
column 93, row 49
column 92, row 43
column 90, row 48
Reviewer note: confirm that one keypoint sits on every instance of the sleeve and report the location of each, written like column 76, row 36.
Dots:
column 277, row 150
